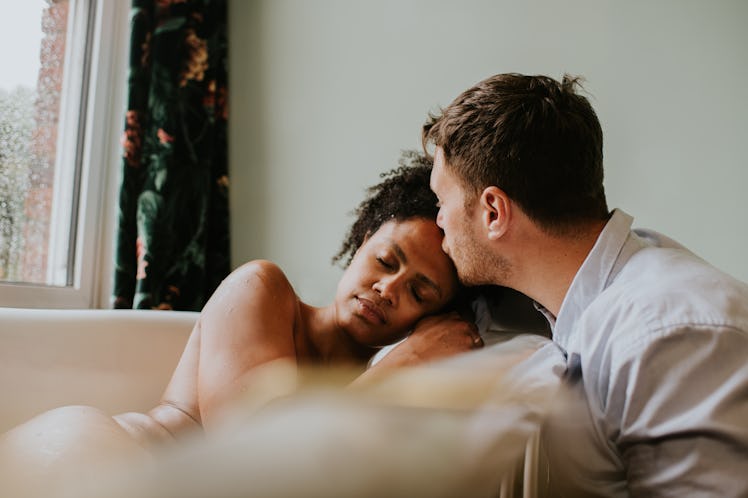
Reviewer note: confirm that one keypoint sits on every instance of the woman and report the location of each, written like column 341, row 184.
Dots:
column 396, row 274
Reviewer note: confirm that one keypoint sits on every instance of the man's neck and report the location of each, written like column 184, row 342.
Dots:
column 548, row 265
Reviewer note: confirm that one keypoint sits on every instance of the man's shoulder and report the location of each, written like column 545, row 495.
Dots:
column 663, row 290
column 673, row 281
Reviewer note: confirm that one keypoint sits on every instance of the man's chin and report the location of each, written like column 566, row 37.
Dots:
column 471, row 279
column 466, row 280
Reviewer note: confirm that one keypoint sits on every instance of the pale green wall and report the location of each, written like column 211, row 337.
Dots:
column 325, row 94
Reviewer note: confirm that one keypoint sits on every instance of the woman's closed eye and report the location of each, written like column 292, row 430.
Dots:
column 416, row 295
column 386, row 263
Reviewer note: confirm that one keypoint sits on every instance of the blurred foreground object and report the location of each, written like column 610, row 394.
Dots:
column 456, row 427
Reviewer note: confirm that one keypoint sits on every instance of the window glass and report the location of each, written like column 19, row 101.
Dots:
column 37, row 163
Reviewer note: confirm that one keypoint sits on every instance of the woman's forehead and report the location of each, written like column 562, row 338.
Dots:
column 413, row 230
column 418, row 241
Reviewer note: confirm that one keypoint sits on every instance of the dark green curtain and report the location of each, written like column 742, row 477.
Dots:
column 173, row 233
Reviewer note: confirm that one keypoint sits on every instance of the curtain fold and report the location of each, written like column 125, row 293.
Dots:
column 173, row 233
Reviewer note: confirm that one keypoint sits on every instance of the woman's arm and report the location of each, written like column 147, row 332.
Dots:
column 433, row 338
column 248, row 322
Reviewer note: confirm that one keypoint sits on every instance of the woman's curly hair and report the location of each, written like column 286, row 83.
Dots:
column 403, row 194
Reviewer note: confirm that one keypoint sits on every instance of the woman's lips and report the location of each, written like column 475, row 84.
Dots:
column 370, row 311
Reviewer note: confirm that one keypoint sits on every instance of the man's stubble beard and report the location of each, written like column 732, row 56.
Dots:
column 477, row 265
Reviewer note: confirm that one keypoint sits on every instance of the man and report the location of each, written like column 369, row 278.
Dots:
column 655, row 339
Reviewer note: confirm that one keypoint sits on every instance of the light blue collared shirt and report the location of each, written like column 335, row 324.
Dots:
column 656, row 342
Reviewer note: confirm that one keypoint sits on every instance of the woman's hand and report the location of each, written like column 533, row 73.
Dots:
column 432, row 338
column 435, row 337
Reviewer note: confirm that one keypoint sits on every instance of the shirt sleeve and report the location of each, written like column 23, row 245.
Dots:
column 678, row 412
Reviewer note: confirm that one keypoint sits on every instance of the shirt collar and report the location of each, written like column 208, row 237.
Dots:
column 612, row 249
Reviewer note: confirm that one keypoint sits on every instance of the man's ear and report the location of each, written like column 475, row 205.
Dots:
column 496, row 211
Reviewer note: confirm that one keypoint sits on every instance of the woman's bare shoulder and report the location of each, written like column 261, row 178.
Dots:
column 262, row 279
column 264, row 269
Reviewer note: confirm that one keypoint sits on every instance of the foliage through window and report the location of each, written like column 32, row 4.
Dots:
column 38, row 178
column 64, row 68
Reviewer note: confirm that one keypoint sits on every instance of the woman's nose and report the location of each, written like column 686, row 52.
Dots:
column 386, row 287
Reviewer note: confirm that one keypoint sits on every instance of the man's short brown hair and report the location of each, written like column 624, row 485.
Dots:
column 535, row 138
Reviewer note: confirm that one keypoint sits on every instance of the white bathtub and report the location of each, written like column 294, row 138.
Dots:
column 121, row 360
column 117, row 360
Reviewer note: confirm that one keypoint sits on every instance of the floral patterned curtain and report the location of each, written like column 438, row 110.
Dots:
column 173, row 234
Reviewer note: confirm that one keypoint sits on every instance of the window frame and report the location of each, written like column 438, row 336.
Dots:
column 98, row 152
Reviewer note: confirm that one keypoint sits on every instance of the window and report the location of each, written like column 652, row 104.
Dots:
column 60, row 116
